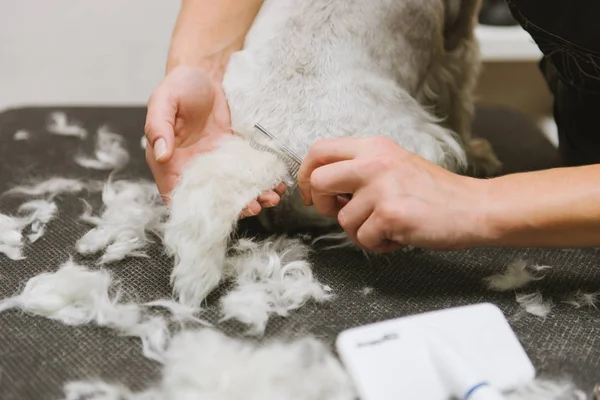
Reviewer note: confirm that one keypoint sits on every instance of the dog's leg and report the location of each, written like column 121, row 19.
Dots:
column 451, row 84
column 204, row 210
column 460, row 19
column 463, row 51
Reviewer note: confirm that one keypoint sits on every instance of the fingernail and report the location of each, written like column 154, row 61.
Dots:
column 269, row 204
column 160, row 148
column 341, row 217
column 248, row 212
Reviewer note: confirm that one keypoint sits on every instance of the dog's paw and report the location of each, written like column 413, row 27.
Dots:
column 483, row 162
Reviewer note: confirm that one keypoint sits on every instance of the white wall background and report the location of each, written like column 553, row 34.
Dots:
column 82, row 51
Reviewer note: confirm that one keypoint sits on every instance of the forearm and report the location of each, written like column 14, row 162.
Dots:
column 553, row 208
column 208, row 31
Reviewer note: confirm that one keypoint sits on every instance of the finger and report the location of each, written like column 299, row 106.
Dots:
column 280, row 189
column 354, row 214
column 330, row 180
column 160, row 120
column 252, row 209
column 164, row 181
column 268, row 199
column 325, row 152
column 371, row 236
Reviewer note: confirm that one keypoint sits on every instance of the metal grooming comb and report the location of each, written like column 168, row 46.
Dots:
column 263, row 140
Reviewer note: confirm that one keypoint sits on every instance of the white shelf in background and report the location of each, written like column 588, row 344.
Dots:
column 506, row 43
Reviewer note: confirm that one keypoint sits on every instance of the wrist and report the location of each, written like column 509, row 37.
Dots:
column 489, row 226
column 207, row 33
column 551, row 208
column 504, row 219
column 212, row 63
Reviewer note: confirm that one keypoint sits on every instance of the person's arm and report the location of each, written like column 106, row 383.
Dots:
column 208, row 31
column 401, row 199
column 552, row 208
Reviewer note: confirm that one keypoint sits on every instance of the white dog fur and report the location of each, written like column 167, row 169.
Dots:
column 314, row 69
column 272, row 277
column 131, row 210
column 205, row 206
column 206, row 364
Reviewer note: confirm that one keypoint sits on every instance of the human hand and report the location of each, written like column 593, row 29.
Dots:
column 188, row 114
column 398, row 198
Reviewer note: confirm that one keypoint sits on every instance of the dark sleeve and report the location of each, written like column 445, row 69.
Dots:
column 568, row 34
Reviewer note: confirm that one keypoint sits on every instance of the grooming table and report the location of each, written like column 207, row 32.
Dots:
column 38, row 355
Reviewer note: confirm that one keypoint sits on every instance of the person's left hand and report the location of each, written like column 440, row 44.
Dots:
column 188, row 114
column 398, row 198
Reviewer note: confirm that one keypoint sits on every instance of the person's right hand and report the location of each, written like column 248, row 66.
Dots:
column 398, row 198
column 188, row 114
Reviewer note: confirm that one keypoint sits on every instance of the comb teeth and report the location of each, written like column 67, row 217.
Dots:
column 291, row 165
column 276, row 148
column 281, row 151
column 293, row 170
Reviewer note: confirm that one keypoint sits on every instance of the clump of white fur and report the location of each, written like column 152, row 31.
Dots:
column 272, row 277
column 41, row 212
column 11, row 237
column 515, row 276
column 206, row 364
column 53, row 187
column 75, row 295
column 59, row 124
column 582, row 299
column 100, row 390
column 338, row 240
column 540, row 267
column 130, row 210
column 179, row 312
column 21, row 135
column 545, row 389
column 110, row 152
column 367, row 290
column 534, row 303
column 212, row 191
column 37, row 214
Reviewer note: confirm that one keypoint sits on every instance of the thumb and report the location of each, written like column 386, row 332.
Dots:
column 160, row 119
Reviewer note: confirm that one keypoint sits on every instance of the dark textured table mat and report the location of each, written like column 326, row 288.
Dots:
column 38, row 355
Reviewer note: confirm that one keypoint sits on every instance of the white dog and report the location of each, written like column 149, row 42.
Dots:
column 314, row 69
